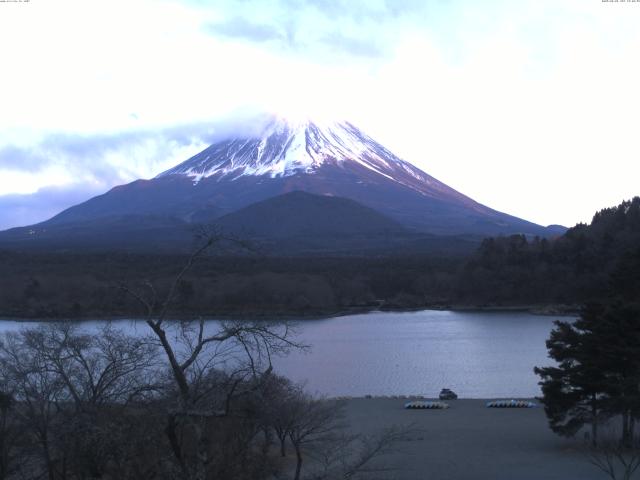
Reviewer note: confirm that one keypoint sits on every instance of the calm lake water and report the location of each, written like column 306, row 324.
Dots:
column 476, row 354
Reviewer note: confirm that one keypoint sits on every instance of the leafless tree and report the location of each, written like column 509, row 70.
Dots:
column 313, row 421
column 279, row 399
column 11, row 436
column 618, row 460
column 103, row 373
column 104, row 367
column 195, row 349
column 39, row 393
column 71, row 391
column 356, row 456
column 318, row 432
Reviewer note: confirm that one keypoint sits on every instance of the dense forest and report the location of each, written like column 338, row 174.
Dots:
column 94, row 285
column 574, row 268
column 505, row 271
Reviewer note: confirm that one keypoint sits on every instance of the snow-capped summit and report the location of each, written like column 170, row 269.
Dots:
column 285, row 148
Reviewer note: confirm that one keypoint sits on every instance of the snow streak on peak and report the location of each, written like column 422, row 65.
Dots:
column 286, row 148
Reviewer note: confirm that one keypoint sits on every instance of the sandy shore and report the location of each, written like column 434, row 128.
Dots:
column 470, row 441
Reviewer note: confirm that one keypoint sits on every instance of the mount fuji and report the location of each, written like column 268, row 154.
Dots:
column 231, row 182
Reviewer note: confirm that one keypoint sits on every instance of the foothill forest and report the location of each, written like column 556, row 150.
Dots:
column 508, row 271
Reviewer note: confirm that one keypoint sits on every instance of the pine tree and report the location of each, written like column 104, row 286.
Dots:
column 574, row 392
column 598, row 371
column 618, row 331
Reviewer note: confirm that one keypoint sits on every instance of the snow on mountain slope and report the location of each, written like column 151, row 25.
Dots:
column 287, row 148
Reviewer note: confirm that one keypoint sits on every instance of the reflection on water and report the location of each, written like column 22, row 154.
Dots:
column 476, row 354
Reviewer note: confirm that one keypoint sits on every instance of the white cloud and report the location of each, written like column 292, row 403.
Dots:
column 547, row 139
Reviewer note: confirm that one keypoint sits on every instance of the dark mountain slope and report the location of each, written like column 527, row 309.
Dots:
column 295, row 223
column 304, row 214
column 134, row 233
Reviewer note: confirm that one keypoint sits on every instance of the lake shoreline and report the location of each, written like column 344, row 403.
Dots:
column 426, row 398
column 542, row 310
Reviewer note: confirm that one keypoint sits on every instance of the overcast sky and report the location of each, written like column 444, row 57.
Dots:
column 530, row 107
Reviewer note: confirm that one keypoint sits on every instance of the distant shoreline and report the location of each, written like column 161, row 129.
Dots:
column 535, row 400
column 542, row 310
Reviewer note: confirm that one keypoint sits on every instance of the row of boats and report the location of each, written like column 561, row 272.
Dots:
column 447, row 394
column 435, row 405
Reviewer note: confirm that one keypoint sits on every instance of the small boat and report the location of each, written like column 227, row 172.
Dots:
column 420, row 404
column 510, row 404
column 446, row 394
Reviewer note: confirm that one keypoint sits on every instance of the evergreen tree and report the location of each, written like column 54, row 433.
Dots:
column 574, row 393
column 618, row 332
column 598, row 371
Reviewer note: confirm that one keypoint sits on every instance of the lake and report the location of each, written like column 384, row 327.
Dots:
column 476, row 354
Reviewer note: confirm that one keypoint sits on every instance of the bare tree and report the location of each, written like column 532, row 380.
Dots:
column 107, row 367
column 257, row 340
column 355, row 456
column 317, row 429
column 279, row 398
column 10, row 436
column 72, row 391
column 617, row 459
column 312, row 421
column 195, row 349
column 39, row 393
column 102, row 373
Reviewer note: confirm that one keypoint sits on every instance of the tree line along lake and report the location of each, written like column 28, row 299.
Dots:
column 476, row 354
